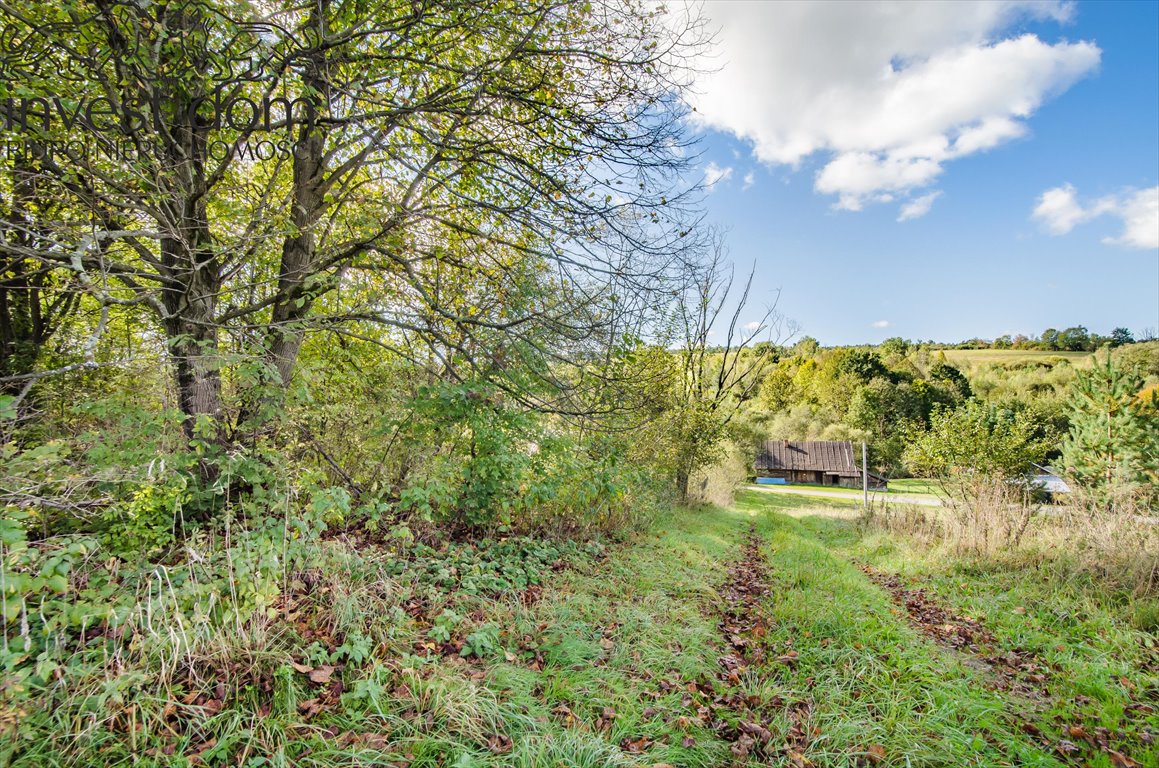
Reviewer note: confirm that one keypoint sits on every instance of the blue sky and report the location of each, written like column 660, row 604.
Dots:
column 1018, row 144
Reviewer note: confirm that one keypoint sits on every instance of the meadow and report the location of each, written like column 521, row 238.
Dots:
column 976, row 357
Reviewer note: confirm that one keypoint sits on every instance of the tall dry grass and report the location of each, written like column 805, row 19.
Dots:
column 718, row 483
column 995, row 521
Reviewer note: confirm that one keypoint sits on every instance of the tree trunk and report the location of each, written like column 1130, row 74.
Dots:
column 191, row 328
column 299, row 250
column 192, row 271
column 682, row 478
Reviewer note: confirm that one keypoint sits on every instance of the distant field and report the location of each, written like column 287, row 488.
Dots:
column 909, row 486
column 913, row 485
column 980, row 356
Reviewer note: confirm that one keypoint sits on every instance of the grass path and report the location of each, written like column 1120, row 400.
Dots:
column 748, row 636
column 834, row 673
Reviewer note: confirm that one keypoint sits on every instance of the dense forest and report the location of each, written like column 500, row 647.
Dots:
column 299, row 304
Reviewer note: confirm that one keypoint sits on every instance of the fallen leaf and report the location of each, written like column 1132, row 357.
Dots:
column 743, row 745
column 499, row 743
column 635, row 746
column 1119, row 760
column 321, row 674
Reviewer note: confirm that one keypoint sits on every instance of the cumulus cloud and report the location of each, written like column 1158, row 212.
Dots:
column 753, row 326
column 880, row 323
column 750, row 178
column 919, row 206
column 884, row 94
column 1059, row 210
column 714, row 174
column 1140, row 215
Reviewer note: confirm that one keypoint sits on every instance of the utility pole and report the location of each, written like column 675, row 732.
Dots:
column 864, row 478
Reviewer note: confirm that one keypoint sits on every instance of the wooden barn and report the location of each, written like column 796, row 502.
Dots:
column 820, row 462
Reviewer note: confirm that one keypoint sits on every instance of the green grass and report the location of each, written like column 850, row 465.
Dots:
column 978, row 356
column 816, row 487
column 626, row 635
column 908, row 486
column 914, row 486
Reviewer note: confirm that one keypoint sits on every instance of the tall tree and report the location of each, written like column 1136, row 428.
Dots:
column 254, row 172
column 712, row 380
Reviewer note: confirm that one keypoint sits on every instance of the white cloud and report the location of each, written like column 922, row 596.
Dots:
column 1140, row 215
column 753, row 326
column 1059, row 211
column 750, row 178
column 918, row 207
column 883, row 93
column 880, row 323
column 714, row 174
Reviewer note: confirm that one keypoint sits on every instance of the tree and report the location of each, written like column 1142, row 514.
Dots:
column 1049, row 339
column 884, row 410
column 944, row 373
column 776, row 392
column 1074, row 339
column 251, row 174
column 807, row 346
column 1113, row 442
column 712, row 380
column 1121, row 336
column 895, row 346
column 978, row 441
column 864, row 365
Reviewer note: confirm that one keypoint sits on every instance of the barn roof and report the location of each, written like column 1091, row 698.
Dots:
column 830, row 456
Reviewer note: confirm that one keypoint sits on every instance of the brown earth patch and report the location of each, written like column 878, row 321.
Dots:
column 745, row 720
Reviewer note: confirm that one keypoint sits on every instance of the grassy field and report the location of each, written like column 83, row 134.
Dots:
column 969, row 357
column 909, row 486
column 772, row 633
column 913, row 486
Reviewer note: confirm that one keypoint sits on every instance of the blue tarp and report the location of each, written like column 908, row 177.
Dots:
column 772, row 481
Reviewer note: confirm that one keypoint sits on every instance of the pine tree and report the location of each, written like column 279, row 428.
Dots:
column 1113, row 441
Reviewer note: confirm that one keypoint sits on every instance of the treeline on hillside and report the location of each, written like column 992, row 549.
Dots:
column 1074, row 339
column 856, row 393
